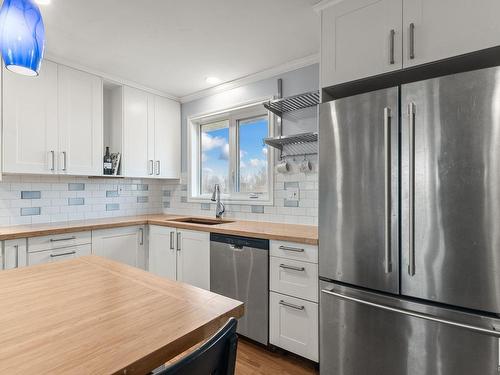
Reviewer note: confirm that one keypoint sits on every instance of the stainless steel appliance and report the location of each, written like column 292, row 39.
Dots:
column 409, row 229
column 239, row 269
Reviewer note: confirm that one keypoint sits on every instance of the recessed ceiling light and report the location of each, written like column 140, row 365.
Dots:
column 43, row 2
column 212, row 80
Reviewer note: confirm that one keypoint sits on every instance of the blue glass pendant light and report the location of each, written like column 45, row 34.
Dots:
column 22, row 36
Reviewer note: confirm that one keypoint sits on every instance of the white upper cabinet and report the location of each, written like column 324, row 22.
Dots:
column 167, row 138
column 30, row 124
column 151, row 135
column 364, row 38
column 80, row 122
column 360, row 38
column 138, row 117
column 447, row 28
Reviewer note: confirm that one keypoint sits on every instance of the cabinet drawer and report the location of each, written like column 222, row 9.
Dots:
column 55, row 255
column 294, row 325
column 292, row 250
column 298, row 279
column 58, row 241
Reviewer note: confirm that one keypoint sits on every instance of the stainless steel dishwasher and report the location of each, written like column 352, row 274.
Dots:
column 239, row 269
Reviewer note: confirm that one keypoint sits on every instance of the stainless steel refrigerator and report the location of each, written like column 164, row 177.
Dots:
column 410, row 229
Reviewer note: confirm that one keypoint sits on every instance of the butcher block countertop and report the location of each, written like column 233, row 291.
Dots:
column 91, row 315
column 305, row 234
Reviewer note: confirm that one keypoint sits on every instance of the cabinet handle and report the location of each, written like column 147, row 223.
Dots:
column 62, row 254
column 64, row 160
column 295, row 249
column 53, row 160
column 17, row 255
column 412, row 41
column 172, row 240
column 151, row 166
column 62, row 239
column 391, row 46
column 293, row 306
column 178, row 241
column 293, row 268
column 157, row 167
column 141, row 231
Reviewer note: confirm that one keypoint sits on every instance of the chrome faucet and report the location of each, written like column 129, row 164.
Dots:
column 219, row 208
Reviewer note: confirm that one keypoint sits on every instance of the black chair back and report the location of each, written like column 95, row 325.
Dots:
column 217, row 356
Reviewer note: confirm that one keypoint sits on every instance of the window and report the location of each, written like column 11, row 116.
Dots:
column 228, row 149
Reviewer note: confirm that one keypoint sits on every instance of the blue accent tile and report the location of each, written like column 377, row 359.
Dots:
column 257, row 209
column 205, row 206
column 166, row 204
column 142, row 187
column 184, row 199
column 166, row 193
column 112, row 206
column 76, row 201
column 30, row 211
column 184, row 187
column 289, row 203
column 76, row 187
column 142, row 199
column 112, row 193
column 31, row 194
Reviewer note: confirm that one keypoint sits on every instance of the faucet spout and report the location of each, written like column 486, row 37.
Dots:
column 219, row 207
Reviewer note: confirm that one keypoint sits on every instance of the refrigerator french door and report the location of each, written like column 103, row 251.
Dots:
column 429, row 301
column 358, row 187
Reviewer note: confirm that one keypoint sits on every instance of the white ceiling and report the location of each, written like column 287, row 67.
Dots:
column 173, row 45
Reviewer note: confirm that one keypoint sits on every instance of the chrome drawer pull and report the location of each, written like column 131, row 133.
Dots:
column 62, row 239
column 291, row 305
column 62, row 254
column 288, row 248
column 293, row 268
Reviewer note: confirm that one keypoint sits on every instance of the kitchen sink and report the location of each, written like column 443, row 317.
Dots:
column 203, row 221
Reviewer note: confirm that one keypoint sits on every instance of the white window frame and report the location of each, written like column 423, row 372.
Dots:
column 240, row 112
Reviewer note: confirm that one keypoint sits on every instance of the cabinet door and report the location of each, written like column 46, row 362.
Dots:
column 80, row 122
column 193, row 258
column 167, row 139
column 30, row 121
column 14, row 253
column 447, row 28
column 56, row 255
column 360, row 38
column 162, row 252
column 293, row 325
column 137, row 161
column 125, row 245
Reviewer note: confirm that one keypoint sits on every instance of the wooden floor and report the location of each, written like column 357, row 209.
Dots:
column 255, row 360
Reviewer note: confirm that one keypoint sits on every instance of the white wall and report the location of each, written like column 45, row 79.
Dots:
column 295, row 82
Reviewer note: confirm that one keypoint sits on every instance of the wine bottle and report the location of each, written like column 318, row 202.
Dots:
column 108, row 164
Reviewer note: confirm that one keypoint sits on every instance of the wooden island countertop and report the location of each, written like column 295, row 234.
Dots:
column 306, row 234
column 91, row 315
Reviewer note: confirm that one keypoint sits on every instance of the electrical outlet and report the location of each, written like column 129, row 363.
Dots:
column 292, row 194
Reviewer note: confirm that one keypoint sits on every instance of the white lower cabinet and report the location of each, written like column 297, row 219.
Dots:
column 14, row 253
column 293, row 298
column 162, row 252
column 54, row 255
column 126, row 245
column 179, row 254
column 294, row 325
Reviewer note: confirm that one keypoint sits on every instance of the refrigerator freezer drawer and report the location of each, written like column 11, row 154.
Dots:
column 365, row 333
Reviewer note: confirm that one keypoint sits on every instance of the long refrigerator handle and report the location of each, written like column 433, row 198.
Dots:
column 387, row 192
column 411, row 190
column 489, row 332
